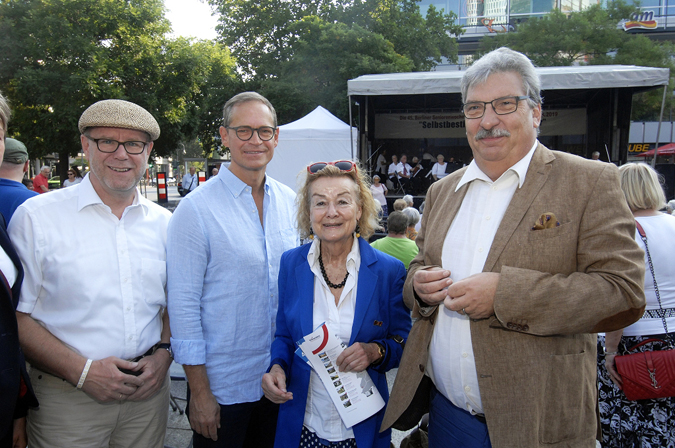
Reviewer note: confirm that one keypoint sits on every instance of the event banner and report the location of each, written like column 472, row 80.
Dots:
column 451, row 124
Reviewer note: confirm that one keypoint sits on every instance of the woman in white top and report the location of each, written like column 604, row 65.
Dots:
column 379, row 191
column 644, row 423
column 74, row 178
column 438, row 170
column 341, row 281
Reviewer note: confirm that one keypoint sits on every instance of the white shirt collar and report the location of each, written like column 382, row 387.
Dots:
column 88, row 196
column 519, row 168
column 353, row 257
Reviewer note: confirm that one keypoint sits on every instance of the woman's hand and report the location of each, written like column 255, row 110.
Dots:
column 357, row 357
column 613, row 373
column 274, row 385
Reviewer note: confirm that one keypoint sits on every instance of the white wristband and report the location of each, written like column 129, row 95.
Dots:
column 85, row 371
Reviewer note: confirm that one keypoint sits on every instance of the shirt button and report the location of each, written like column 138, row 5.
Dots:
column 465, row 355
column 480, row 249
column 131, row 337
column 487, row 218
column 467, row 389
column 128, row 308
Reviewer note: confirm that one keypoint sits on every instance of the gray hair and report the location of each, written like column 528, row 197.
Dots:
column 245, row 97
column 5, row 111
column 413, row 216
column 504, row 60
column 45, row 167
column 397, row 223
column 408, row 199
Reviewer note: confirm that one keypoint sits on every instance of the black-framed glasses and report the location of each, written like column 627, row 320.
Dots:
column 108, row 146
column 343, row 165
column 244, row 133
column 501, row 106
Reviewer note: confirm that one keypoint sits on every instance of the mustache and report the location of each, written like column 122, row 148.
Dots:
column 492, row 133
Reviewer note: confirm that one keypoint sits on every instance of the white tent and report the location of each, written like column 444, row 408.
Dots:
column 317, row 137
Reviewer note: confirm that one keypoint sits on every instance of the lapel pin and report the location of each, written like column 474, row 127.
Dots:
column 377, row 323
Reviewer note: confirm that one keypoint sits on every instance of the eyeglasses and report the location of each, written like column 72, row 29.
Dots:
column 71, row 174
column 501, row 106
column 110, row 146
column 343, row 165
column 244, row 133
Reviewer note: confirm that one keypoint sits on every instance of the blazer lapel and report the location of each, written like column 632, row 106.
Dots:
column 305, row 284
column 365, row 288
column 536, row 177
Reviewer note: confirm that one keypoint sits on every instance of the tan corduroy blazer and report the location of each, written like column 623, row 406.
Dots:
column 536, row 357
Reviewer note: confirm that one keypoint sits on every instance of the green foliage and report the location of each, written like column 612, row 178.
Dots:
column 60, row 56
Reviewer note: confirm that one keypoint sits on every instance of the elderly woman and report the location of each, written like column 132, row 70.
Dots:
column 413, row 219
column 644, row 423
column 379, row 192
column 356, row 290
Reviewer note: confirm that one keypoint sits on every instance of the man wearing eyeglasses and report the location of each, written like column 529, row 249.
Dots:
column 524, row 255
column 224, row 247
column 91, row 316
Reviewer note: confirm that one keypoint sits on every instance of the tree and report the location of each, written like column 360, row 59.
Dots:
column 60, row 56
column 326, row 55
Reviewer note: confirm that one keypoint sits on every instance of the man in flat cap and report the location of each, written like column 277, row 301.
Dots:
column 15, row 164
column 91, row 313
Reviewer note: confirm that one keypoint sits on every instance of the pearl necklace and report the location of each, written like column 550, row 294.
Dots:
column 325, row 276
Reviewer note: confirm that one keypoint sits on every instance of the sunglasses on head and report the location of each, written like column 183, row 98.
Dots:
column 343, row 165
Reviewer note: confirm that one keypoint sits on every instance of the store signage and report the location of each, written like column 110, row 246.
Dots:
column 637, row 148
column 641, row 21
column 452, row 125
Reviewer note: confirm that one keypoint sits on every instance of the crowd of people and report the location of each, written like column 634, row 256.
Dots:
column 488, row 299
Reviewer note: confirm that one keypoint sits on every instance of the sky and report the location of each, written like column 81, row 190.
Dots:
column 191, row 18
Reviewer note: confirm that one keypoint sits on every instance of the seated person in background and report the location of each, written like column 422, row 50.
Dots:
column 413, row 218
column 400, row 204
column 391, row 171
column 395, row 243
column 404, row 172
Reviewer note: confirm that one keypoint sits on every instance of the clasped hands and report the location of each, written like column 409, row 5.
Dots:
column 473, row 295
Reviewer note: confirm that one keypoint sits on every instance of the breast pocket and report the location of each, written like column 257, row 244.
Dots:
column 153, row 279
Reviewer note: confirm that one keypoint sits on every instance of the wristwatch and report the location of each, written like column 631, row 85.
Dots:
column 382, row 351
column 166, row 346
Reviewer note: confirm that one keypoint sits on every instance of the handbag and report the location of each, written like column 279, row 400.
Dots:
column 649, row 374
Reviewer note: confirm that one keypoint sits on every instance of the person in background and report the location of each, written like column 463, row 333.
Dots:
column 643, row 423
column 391, row 171
column 438, row 171
column 28, row 183
column 214, row 173
column 413, row 219
column 409, row 201
column 379, row 191
column 396, row 243
column 670, row 207
column 404, row 172
column 381, row 164
column 595, row 155
column 400, row 204
column 41, row 181
column 190, row 181
column 15, row 164
column 74, row 177
column 340, row 280
column 16, row 392
column 524, row 255
column 223, row 293
column 91, row 315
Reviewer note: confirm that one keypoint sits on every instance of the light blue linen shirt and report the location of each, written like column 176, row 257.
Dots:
column 223, row 269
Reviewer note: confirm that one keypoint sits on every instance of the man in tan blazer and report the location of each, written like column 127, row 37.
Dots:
column 524, row 255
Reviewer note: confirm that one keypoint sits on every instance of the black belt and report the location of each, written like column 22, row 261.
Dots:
column 659, row 314
column 150, row 351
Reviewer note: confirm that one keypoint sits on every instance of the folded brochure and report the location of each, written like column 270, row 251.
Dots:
column 354, row 394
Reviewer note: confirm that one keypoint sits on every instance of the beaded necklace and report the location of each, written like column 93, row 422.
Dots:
column 325, row 276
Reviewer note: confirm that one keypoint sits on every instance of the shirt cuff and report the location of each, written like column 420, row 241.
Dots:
column 191, row 353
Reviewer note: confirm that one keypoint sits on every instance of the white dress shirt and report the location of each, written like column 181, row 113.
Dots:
column 7, row 268
column 451, row 364
column 321, row 416
column 403, row 169
column 94, row 281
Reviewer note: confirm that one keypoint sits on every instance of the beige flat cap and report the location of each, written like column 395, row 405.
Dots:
column 119, row 114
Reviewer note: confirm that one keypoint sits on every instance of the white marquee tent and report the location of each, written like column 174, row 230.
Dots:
column 317, row 137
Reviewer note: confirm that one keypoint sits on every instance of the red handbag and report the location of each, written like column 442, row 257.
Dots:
column 647, row 375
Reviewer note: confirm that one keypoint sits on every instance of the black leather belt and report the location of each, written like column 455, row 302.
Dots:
column 150, row 351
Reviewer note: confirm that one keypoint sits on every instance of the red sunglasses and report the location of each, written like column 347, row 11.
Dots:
column 343, row 165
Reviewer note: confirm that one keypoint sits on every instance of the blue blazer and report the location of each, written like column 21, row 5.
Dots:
column 380, row 314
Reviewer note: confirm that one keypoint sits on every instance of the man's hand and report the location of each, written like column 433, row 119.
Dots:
column 154, row 369
column 613, row 373
column 105, row 382
column 357, row 357
column 430, row 284
column 474, row 295
column 274, row 385
column 205, row 414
